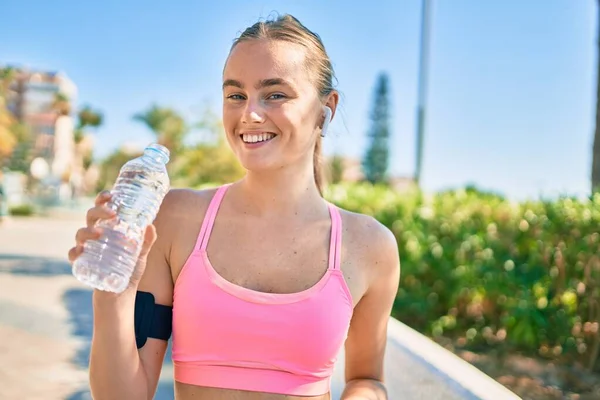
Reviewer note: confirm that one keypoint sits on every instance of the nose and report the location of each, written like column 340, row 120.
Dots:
column 253, row 112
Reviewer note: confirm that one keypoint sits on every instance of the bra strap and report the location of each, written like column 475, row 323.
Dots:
column 209, row 218
column 335, row 247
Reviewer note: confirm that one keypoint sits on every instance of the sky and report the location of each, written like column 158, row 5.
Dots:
column 511, row 92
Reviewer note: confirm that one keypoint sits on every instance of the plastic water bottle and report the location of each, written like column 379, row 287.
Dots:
column 108, row 263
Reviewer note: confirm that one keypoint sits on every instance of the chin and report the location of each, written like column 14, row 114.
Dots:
column 258, row 166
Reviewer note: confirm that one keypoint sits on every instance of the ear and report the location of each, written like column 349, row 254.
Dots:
column 329, row 111
column 332, row 102
column 326, row 120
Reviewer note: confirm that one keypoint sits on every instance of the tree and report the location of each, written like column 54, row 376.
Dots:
column 376, row 160
column 210, row 161
column 8, row 140
column 21, row 156
column 336, row 169
column 61, row 104
column 86, row 117
column 596, row 148
column 15, row 136
column 169, row 127
column 207, row 163
column 110, row 167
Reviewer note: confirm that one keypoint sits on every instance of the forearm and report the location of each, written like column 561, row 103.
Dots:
column 364, row 389
column 116, row 371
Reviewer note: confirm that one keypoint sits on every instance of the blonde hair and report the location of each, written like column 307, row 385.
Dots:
column 289, row 29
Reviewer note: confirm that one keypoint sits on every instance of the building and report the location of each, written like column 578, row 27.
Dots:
column 41, row 100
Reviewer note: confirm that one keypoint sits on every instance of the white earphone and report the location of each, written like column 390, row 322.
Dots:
column 327, row 120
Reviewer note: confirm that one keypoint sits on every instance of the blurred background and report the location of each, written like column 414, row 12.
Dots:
column 469, row 128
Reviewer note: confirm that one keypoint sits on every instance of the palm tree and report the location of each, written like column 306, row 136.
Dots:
column 596, row 148
column 87, row 117
column 61, row 104
column 169, row 127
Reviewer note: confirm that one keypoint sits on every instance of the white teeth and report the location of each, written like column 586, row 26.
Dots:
column 257, row 138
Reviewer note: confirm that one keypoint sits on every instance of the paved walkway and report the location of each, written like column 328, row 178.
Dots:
column 47, row 315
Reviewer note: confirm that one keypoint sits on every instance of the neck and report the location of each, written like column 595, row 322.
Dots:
column 286, row 191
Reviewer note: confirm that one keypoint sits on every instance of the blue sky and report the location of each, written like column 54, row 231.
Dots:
column 511, row 100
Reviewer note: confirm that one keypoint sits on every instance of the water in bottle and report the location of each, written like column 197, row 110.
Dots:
column 108, row 263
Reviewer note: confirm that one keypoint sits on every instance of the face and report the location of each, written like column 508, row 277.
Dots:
column 271, row 109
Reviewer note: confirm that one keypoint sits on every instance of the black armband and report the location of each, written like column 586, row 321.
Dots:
column 151, row 319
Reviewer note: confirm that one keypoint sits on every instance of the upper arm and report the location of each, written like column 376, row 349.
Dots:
column 171, row 223
column 367, row 337
column 157, row 280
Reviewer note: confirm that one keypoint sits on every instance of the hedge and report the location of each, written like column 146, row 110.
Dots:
column 488, row 272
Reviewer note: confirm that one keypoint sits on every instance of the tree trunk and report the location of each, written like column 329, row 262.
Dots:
column 596, row 150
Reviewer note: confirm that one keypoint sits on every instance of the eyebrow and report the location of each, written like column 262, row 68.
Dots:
column 262, row 84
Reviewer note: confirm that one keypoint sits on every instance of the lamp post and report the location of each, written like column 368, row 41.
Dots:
column 422, row 84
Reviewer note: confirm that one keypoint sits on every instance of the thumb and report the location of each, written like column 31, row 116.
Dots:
column 149, row 239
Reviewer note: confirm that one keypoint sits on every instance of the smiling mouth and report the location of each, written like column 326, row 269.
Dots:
column 257, row 138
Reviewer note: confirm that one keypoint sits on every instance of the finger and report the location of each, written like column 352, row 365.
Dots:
column 75, row 252
column 102, row 197
column 149, row 239
column 85, row 234
column 99, row 212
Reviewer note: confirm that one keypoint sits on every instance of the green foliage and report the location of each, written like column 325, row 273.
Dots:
column 21, row 156
column 8, row 140
column 376, row 160
column 336, row 169
column 167, row 124
column 61, row 104
column 197, row 165
column 206, row 163
column 110, row 167
column 22, row 210
column 88, row 117
column 489, row 272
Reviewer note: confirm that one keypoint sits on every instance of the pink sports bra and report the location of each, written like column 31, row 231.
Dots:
column 228, row 336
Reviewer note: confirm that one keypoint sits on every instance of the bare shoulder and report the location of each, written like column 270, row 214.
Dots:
column 374, row 244
column 182, row 204
column 180, row 216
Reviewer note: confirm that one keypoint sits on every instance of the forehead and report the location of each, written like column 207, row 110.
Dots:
column 255, row 60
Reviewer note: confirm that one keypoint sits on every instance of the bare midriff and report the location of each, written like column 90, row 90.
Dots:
column 191, row 392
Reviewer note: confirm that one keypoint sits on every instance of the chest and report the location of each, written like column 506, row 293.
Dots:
column 270, row 257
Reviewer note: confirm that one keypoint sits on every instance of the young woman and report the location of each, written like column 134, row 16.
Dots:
column 266, row 280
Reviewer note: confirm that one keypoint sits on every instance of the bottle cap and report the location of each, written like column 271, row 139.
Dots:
column 160, row 152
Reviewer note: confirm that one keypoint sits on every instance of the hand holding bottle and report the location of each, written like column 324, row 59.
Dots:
column 113, row 247
column 90, row 232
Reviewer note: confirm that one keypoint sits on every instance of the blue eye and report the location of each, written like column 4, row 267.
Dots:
column 277, row 96
column 235, row 97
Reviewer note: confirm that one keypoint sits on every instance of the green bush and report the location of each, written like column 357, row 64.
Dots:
column 485, row 271
column 21, row 210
